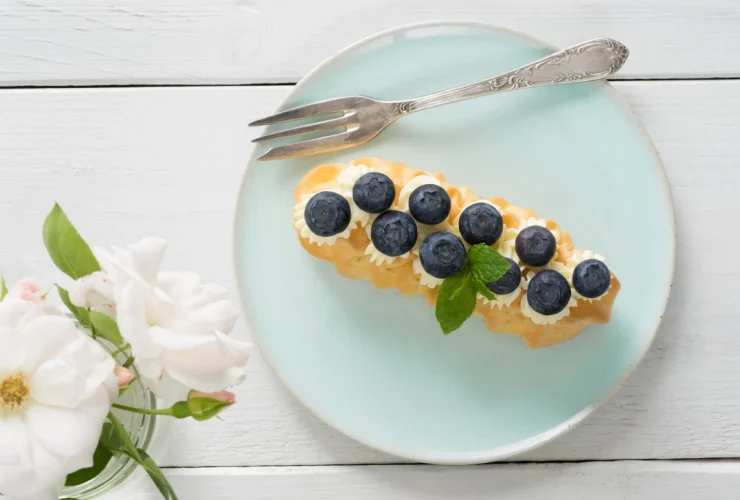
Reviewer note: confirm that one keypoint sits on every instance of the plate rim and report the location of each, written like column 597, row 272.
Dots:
column 501, row 452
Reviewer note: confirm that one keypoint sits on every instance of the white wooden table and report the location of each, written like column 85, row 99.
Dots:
column 132, row 113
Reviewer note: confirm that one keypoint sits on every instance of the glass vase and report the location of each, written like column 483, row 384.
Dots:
column 140, row 427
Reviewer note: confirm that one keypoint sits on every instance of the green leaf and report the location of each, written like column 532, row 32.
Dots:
column 486, row 263
column 3, row 287
column 106, row 327
column 115, row 436
column 481, row 287
column 117, row 439
column 80, row 313
column 67, row 249
column 456, row 301
column 110, row 437
column 157, row 476
column 100, row 459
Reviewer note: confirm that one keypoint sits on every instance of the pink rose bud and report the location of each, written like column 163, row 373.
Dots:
column 203, row 405
column 221, row 396
column 125, row 376
column 27, row 289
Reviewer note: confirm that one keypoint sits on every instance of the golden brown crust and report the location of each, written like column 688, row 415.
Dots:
column 348, row 255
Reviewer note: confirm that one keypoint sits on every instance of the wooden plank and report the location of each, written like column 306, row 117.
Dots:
column 73, row 42
column 579, row 481
column 127, row 163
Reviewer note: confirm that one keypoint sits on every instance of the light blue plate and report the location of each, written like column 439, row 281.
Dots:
column 374, row 364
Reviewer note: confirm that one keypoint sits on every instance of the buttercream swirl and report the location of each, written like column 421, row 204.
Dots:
column 378, row 257
column 573, row 260
column 418, row 181
column 542, row 319
column 502, row 300
column 425, row 278
column 299, row 222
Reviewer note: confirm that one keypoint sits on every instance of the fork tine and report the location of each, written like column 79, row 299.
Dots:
column 308, row 111
column 308, row 129
column 310, row 147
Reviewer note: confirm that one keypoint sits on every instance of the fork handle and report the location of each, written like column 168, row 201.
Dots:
column 585, row 62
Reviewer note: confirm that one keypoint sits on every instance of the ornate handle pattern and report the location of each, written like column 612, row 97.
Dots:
column 585, row 62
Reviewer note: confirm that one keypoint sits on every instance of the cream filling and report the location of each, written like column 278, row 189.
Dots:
column 299, row 222
column 349, row 176
column 418, row 181
column 567, row 270
column 506, row 244
column 425, row 278
column 502, row 301
column 378, row 257
column 533, row 221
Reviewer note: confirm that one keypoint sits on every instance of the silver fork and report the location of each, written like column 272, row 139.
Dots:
column 362, row 118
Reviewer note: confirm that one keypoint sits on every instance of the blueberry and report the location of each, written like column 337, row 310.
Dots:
column 481, row 223
column 535, row 245
column 327, row 213
column 374, row 192
column 393, row 233
column 429, row 204
column 591, row 278
column 509, row 281
column 442, row 254
column 548, row 292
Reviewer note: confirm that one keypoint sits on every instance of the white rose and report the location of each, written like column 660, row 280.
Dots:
column 28, row 303
column 177, row 326
column 56, row 385
column 94, row 292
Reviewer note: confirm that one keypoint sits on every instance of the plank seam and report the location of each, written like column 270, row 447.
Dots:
column 407, row 464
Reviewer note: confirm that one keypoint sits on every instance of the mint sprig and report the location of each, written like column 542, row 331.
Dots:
column 487, row 263
column 456, row 301
column 457, row 295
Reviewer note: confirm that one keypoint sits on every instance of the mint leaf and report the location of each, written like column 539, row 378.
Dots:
column 486, row 263
column 481, row 287
column 101, row 457
column 80, row 313
column 67, row 249
column 456, row 301
column 3, row 287
column 106, row 327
